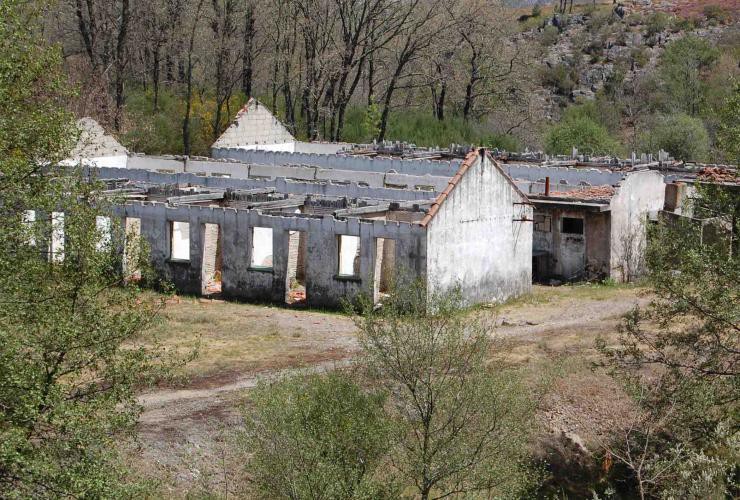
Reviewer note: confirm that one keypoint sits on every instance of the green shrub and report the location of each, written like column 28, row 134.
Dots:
column 641, row 56
column 598, row 110
column 563, row 77
column 685, row 24
column 598, row 20
column 583, row 133
column 549, row 36
column 422, row 129
column 682, row 69
column 683, row 136
column 318, row 433
column 716, row 13
column 536, row 10
column 656, row 23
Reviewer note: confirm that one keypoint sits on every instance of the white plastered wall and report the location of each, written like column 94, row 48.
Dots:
column 478, row 240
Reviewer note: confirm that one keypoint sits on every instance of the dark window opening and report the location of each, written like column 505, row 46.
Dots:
column 572, row 225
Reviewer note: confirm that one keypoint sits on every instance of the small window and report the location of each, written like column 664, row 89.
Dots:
column 180, row 242
column 261, row 247
column 349, row 255
column 571, row 225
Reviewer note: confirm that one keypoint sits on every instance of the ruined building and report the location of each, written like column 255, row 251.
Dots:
column 285, row 223
column 258, row 231
column 589, row 223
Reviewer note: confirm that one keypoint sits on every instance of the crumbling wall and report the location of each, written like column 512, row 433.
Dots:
column 481, row 237
column 281, row 185
column 238, row 170
column 640, row 194
column 561, row 178
column 240, row 280
column 342, row 162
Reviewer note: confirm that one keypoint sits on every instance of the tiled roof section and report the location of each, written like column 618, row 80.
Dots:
column 94, row 142
column 589, row 193
column 254, row 124
column 718, row 174
column 464, row 166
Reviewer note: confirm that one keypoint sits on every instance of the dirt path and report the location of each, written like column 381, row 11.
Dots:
column 565, row 312
column 561, row 313
column 177, row 423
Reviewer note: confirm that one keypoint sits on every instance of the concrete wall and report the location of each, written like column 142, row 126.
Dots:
column 281, row 185
column 324, row 148
column 638, row 195
column 561, row 177
column 476, row 241
column 342, row 162
column 239, row 170
column 241, row 281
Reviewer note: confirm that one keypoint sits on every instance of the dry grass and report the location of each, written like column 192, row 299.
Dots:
column 235, row 337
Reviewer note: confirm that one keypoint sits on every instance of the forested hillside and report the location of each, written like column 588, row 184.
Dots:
column 168, row 75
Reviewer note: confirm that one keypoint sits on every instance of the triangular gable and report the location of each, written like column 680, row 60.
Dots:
column 93, row 142
column 469, row 161
column 254, row 125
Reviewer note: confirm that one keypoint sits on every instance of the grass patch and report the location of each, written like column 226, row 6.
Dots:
column 235, row 337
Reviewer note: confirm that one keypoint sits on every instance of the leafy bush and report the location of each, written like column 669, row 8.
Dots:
column 683, row 136
column 598, row 20
column 160, row 131
column 598, row 110
column 422, row 129
column 536, row 10
column 640, row 56
column 656, row 23
column 682, row 68
column 716, row 13
column 319, row 433
column 583, row 133
column 685, row 24
column 728, row 133
column 549, row 36
column 563, row 77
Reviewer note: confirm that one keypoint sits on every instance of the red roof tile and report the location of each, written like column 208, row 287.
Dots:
column 464, row 166
column 589, row 193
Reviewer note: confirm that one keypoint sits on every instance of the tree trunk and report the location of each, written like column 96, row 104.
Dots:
column 248, row 61
column 188, row 98
column 387, row 106
column 121, row 63
column 155, row 75
column 189, row 85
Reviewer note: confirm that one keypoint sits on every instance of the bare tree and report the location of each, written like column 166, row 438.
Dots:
column 104, row 29
column 416, row 34
column 224, row 30
column 249, row 48
column 189, row 79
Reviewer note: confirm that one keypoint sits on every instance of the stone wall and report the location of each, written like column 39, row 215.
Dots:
column 300, row 172
column 281, row 185
column 241, row 281
column 342, row 162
